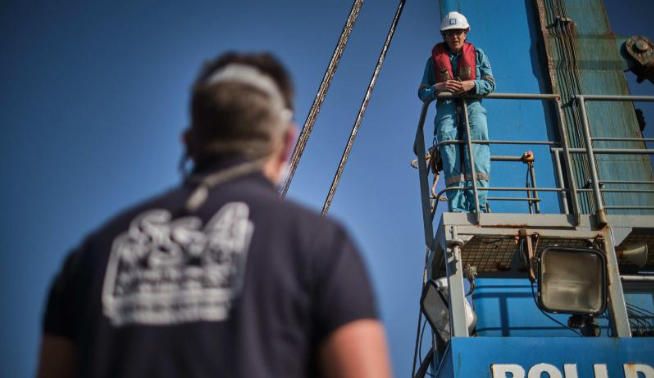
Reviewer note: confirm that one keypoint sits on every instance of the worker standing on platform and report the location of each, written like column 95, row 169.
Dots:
column 458, row 67
column 219, row 276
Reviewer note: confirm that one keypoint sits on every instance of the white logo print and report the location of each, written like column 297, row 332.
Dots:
column 165, row 271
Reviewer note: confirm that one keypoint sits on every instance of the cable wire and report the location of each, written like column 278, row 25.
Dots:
column 417, row 344
column 303, row 138
column 422, row 334
column 362, row 109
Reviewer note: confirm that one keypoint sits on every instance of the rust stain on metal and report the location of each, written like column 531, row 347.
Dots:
column 630, row 368
column 508, row 225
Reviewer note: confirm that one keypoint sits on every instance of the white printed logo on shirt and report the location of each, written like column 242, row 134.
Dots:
column 164, row 271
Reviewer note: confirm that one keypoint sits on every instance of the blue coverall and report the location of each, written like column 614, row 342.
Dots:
column 448, row 126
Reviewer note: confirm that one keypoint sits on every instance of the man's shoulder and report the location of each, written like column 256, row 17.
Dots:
column 264, row 205
column 305, row 226
column 120, row 220
column 480, row 52
column 310, row 215
column 302, row 218
column 94, row 246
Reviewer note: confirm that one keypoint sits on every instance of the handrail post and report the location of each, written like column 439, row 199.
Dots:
column 559, row 175
column 457, row 296
column 599, row 203
column 471, row 159
column 532, row 173
column 423, row 175
column 563, row 130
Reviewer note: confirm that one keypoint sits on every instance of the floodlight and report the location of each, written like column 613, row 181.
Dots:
column 435, row 305
column 572, row 280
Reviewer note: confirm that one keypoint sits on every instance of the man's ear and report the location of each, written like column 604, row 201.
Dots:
column 188, row 142
column 185, row 138
column 289, row 142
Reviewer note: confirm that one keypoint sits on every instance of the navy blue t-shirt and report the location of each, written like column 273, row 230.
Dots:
column 249, row 285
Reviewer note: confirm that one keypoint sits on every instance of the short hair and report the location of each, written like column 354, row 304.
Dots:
column 237, row 117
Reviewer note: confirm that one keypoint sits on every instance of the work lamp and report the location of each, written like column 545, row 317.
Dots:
column 572, row 280
column 434, row 305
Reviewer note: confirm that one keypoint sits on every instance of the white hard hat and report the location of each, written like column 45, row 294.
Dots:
column 454, row 20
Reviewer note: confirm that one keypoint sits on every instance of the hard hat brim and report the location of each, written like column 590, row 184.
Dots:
column 455, row 27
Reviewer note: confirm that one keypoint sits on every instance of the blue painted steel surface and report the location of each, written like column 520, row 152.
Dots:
column 592, row 57
column 515, row 46
column 640, row 305
column 506, row 307
column 473, row 357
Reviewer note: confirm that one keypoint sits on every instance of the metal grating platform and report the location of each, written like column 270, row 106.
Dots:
column 495, row 253
column 489, row 253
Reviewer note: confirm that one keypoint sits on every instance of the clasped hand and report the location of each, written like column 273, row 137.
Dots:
column 455, row 86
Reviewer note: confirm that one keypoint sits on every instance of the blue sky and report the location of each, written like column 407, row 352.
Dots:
column 94, row 98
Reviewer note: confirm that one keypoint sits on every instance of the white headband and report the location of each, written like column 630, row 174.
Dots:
column 241, row 73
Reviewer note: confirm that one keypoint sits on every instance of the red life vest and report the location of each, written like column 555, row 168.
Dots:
column 466, row 66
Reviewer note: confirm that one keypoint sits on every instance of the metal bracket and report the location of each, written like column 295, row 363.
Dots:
column 531, row 241
column 617, row 304
column 455, row 278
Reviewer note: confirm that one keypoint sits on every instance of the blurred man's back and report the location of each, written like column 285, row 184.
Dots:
column 219, row 277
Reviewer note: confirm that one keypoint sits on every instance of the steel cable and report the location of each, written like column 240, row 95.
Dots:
column 303, row 138
column 362, row 109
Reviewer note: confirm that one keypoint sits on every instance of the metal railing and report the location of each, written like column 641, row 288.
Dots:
column 567, row 182
column 527, row 158
column 531, row 191
column 451, row 256
column 591, row 151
